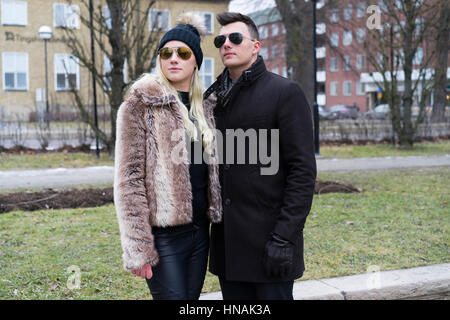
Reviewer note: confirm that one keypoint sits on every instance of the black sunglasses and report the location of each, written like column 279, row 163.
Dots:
column 235, row 37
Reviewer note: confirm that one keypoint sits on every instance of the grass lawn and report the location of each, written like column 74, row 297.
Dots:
column 53, row 160
column 401, row 220
column 384, row 150
column 80, row 160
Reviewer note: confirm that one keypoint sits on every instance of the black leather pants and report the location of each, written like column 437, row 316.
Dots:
column 183, row 257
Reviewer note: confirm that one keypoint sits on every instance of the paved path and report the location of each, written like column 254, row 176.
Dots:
column 104, row 174
column 424, row 283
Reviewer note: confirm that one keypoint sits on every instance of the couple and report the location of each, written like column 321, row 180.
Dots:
column 165, row 208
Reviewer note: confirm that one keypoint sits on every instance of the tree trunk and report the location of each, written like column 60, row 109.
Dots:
column 440, row 68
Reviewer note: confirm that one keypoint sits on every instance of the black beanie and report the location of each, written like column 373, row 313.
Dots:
column 187, row 34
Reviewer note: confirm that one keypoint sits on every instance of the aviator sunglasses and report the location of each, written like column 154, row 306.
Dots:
column 235, row 37
column 183, row 52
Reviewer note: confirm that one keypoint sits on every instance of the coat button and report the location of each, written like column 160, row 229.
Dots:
column 227, row 167
column 227, row 202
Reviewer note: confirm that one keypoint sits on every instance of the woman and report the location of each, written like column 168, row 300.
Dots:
column 163, row 202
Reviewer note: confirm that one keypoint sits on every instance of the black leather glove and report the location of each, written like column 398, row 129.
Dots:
column 278, row 256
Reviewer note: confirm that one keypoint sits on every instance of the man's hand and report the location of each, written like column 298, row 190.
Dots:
column 144, row 272
column 278, row 256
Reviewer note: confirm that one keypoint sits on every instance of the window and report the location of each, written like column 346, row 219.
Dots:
column 283, row 29
column 418, row 57
column 66, row 16
column 334, row 16
column 399, row 57
column 284, row 74
column 360, row 35
column 274, row 30
column 283, row 50
column 263, row 52
column 67, row 72
column 419, row 26
column 263, row 32
column 360, row 62
column 348, row 11
column 15, row 70
column 360, row 90
column 14, row 13
column 347, row 39
column 334, row 39
column 209, row 21
column 275, row 70
column 347, row 88
column 361, row 10
column 206, row 72
column 334, row 88
column 274, row 51
column 334, row 66
column 107, row 68
column 159, row 20
column 347, row 63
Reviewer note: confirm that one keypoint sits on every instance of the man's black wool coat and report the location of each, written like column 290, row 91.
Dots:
column 256, row 205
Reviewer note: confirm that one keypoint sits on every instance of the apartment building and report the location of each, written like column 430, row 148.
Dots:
column 22, row 57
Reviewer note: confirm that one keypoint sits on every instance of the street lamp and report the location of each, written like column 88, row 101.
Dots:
column 45, row 32
column 315, row 107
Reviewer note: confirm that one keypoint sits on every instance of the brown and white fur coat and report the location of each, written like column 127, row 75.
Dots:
column 149, row 188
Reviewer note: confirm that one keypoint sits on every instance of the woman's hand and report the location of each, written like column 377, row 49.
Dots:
column 144, row 272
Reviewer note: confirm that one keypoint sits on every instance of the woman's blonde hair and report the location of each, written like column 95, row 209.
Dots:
column 195, row 114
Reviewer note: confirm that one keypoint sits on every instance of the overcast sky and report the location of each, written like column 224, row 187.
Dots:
column 247, row 6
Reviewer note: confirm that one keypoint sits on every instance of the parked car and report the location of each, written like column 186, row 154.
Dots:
column 381, row 112
column 324, row 114
column 341, row 111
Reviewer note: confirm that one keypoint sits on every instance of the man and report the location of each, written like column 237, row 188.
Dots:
column 257, row 251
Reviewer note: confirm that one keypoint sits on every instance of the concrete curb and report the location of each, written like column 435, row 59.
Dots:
column 415, row 283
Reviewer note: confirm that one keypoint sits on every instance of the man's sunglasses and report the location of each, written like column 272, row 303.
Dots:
column 183, row 52
column 235, row 37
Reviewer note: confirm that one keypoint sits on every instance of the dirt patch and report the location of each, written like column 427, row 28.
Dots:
column 322, row 187
column 54, row 199
column 85, row 198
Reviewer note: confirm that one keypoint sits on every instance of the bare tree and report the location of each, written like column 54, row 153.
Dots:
column 123, row 35
column 297, row 19
column 399, row 51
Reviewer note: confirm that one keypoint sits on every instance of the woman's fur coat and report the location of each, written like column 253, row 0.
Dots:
column 150, row 189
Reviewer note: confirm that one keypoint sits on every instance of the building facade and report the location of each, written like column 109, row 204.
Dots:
column 344, row 74
column 22, row 55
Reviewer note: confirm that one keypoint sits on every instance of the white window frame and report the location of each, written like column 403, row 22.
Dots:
column 361, row 10
column 275, row 30
column 204, row 13
column 264, row 53
column 347, row 38
column 66, row 57
column 263, row 32
column 360, row 35
column 22, row 68
column 71, row 16
column 274, row 49
column 347, row 12
column 150, row 20
column 334, row 40
column 334, row 88
column 347, row 65
column 334, row 64
column 418, row 57
column 19, row 14
column 347, row 85
column 334, row 17
column 360, row 88
column 360, row 62
column 202, row 72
